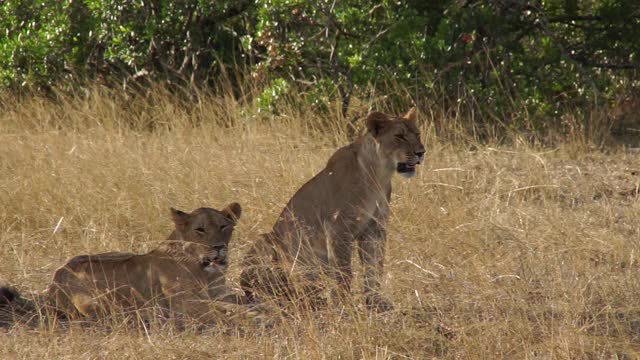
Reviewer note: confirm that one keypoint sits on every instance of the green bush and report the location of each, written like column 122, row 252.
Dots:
column 185, row 41
column 503, row 60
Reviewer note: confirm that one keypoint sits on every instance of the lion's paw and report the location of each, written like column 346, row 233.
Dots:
column 378, row 302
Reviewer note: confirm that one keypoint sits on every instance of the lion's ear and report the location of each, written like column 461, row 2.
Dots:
column 376, row 122
column 180, row 218
column 233, row 212
column 410, row 115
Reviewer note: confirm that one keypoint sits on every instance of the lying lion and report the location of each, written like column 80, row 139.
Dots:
column 177, row 279
column 346, row 203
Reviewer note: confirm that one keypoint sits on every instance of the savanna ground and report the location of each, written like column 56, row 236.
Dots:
column 493, row 252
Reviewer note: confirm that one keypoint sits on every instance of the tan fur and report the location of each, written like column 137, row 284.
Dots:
column 171, row 277
column 347, row 202
column 178, row 278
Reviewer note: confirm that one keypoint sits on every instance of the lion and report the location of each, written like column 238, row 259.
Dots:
column 346, row 203
column 180, row 277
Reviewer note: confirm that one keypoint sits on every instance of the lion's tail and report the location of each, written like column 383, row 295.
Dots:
column 15, row 309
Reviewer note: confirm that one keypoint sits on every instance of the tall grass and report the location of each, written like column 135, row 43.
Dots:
column 494, row 251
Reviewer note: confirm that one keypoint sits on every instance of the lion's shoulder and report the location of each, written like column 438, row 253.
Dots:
column 344, row 156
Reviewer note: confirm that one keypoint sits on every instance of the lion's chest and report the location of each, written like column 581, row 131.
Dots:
column 361, row 210
column 337, row 205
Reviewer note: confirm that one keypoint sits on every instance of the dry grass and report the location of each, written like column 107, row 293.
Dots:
column 521, row 252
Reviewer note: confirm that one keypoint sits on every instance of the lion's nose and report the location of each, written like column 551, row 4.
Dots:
column 219, row 251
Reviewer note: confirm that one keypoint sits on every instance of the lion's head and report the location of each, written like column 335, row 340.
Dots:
column 399, row 140
column 210, row 227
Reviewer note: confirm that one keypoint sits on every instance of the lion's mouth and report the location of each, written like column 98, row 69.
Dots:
column 408, row 168
column 405, row 167
column 214, row 264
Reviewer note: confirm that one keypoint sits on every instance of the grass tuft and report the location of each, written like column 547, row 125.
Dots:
column 494, row 251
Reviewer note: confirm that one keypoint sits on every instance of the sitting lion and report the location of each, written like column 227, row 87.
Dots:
column 347, row 202
column 180, row 277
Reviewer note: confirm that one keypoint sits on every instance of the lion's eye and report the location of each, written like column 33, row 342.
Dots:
column 224, row 227
column 200, row 230
column 400, row 136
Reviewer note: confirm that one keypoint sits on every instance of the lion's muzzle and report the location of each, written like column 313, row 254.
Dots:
column 408, row 167
column 216, row 260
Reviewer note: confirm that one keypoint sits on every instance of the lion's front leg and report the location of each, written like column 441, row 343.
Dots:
column 371, row 249
column 340, row 249
column 218, row 290
column 263, row 280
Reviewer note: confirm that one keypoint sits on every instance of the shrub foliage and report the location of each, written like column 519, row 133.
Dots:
column 497, row 59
